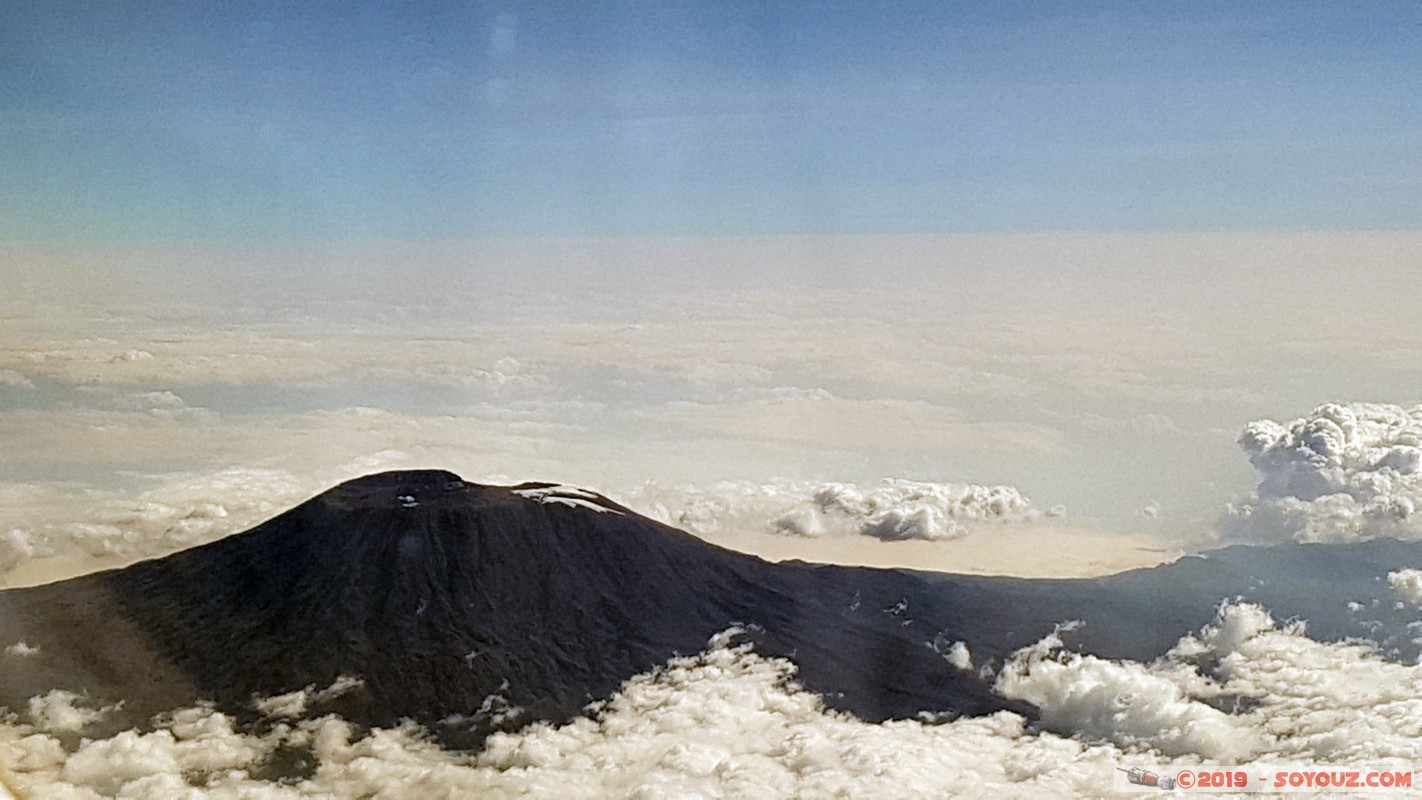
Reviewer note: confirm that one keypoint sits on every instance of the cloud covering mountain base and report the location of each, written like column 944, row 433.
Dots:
column 729, row 723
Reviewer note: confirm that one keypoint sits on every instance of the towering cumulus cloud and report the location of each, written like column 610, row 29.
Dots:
column 1343, row 472
column 891, row 510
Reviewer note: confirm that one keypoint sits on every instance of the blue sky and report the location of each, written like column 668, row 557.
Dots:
column 150, row 121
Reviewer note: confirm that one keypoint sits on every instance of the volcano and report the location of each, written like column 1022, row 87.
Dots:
column 469, row 609
column 464, row 608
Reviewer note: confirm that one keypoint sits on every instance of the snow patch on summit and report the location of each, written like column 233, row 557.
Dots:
column 571, row 496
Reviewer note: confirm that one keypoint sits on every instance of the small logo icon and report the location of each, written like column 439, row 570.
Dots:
column 1144, row 777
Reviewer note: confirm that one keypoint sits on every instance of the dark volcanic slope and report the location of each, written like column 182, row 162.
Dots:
column 436, row 592
column 1340, row 590
column 440, row 595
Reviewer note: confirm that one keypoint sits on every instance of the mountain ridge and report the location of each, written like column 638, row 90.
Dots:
column 469, row 609
column 438, row 594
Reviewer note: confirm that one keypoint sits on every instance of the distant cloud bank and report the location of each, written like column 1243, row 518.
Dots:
column 890, row 510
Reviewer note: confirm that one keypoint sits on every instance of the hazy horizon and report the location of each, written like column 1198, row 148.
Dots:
column 1106, row 377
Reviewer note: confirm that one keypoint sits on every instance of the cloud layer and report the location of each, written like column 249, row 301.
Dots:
column 181, row 512
column 728, row 723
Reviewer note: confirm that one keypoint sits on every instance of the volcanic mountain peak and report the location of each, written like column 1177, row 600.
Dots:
column 406, row 488
column 437, row 594
column 410, row 489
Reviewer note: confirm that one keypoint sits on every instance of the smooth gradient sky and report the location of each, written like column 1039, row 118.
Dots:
column 151, row 121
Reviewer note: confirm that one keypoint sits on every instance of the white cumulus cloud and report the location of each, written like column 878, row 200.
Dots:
column 890, row 510
column 1407, row 584
column 1343, row 472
